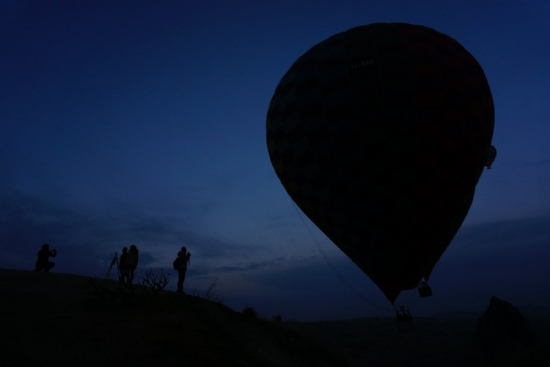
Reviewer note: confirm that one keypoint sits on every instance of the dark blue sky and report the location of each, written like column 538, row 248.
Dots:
column 144, row 123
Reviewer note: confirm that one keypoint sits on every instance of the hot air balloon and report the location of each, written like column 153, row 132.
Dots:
column 380, row 134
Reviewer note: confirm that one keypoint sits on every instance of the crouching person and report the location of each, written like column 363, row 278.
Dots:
column 43, row 263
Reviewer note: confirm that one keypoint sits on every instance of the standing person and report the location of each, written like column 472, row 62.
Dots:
column 43, row 262
column 131, row 262
column 184, row 258
column 124, row 271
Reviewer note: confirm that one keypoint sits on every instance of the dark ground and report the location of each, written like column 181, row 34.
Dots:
column 50, row 319
column 434, row 342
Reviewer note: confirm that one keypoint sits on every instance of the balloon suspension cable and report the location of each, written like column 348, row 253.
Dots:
column 331, row 265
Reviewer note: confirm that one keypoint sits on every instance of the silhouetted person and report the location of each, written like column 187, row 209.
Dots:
column 184, row 261
column 131, row 262
column 124, row 270
column 404, row 320
column 403, row 314
column 398, row 316
column 43, row 262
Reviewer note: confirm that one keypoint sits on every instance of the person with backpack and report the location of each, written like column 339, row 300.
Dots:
column 131, row 262
column 43, row 262
column 180, row 264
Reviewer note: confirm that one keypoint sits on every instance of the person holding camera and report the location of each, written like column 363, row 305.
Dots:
column 182, row 262
column 43, row 263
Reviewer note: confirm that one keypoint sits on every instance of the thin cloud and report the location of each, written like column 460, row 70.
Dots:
column 494, row 236
column 251, row 266
column 254, row 265
column 533, row 163
column 29, row 221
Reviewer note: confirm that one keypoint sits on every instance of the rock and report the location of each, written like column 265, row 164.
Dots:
column 502, row 331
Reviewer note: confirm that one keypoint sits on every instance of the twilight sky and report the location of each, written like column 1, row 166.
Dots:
column 143, row 123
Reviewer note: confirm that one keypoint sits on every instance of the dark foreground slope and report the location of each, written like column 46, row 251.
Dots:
column 50, row 319
column 434, row 342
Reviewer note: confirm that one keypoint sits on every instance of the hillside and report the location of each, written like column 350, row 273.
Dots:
column 445, row 342
column 51, row 319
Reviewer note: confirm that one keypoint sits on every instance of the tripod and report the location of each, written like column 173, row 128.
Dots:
column 113, row 262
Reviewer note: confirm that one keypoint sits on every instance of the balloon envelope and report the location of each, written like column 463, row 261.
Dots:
column 379, row 134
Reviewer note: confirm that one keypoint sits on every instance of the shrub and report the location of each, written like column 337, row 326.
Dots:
column 155, row 282
column 210, row 294
column 250, row 312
